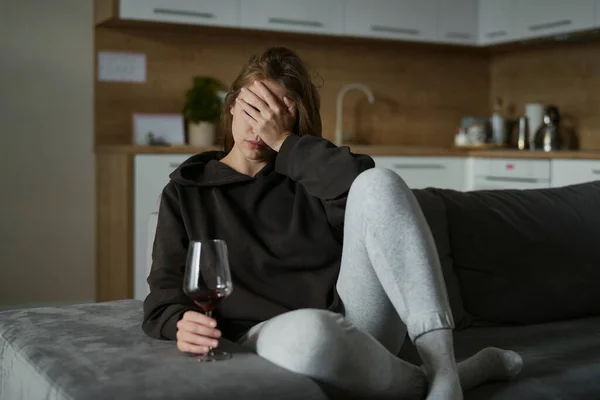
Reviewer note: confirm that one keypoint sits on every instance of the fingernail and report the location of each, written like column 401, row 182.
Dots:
column 243, row 90
column 213, row 324
column 214, row 343
column 217, row 333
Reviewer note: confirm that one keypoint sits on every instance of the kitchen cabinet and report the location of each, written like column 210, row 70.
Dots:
column 537, row 18
column 496, row 21
column 571, row 172
column 151, row 174
column 468, row 22
column 457, row 21
column 309, row 16
column 501, row 173
column 392, row 19
column 423, row 172
column 194, row 12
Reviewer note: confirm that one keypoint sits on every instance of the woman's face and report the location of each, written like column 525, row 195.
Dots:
column 247, row 142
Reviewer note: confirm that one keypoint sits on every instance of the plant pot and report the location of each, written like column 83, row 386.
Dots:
column 201, row 134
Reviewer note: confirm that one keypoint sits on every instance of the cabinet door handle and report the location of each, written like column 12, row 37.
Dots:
column 496, row 34
column 174, row 165
column 419, row 166
column 170, row 11
column 458, row 35
column 596, row 171
column 509, row 179
column 297, row 22
column 549, row 25
column 392, row 29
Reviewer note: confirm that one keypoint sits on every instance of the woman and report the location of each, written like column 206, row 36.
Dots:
column 332, row 260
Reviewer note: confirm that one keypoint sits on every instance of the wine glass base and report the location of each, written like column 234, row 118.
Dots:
column 212, row 356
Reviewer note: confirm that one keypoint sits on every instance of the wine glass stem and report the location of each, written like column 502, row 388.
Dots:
column 210, row 351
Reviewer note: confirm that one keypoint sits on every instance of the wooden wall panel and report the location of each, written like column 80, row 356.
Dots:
column 421, row 91
column 114, row 226
column 564, row 74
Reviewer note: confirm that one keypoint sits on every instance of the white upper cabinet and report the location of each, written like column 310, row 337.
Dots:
column 496, row 21
column 195, row 12
column 392, row 19
column 469, row 22
column 537, row 18
column 457, row 21
column 311, row 16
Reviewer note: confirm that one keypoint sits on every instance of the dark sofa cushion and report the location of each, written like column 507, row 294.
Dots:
column 561, row 359
column 435, row 213
column 527, row 256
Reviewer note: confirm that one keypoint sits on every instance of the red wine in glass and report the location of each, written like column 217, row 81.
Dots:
column 208, row 300
column 207, row 281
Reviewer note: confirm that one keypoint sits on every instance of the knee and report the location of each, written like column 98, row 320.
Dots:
column 302, row 341
column 376, row 182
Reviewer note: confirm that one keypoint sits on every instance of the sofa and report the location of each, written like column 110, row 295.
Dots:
column 522, row 269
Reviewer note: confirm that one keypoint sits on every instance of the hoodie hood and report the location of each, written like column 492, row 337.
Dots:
column 204, row 169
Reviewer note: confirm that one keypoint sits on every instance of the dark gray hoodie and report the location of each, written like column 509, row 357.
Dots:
column 283, row 229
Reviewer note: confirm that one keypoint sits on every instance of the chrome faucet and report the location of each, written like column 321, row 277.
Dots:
column 339, row 135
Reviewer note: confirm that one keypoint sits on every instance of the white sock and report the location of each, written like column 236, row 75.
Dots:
column 490, row 364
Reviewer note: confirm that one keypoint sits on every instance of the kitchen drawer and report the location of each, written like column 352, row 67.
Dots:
column 495, row 183
column 194, row 12
column 512, row 168
column 423, row 172
column 571, row 172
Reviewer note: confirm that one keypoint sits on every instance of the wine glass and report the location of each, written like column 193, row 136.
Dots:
column 207, row 281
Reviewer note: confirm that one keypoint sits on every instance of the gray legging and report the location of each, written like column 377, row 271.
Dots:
column 390, row 282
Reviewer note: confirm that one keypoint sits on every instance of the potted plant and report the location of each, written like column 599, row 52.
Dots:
column 201, row 110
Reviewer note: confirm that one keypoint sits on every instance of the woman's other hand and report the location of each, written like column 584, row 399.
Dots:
column 196, row 333
column 271, row 119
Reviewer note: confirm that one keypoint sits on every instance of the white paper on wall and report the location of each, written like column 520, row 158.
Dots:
column 121, row 67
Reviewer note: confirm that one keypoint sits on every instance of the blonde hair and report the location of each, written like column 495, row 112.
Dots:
column 283, row 66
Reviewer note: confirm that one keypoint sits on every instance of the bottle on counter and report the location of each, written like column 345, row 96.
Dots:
column 461, row 138
column 535, row 117
column 523, row 134
column 498, row 124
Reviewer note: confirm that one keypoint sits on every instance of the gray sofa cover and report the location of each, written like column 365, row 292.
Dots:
column 98, row 351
